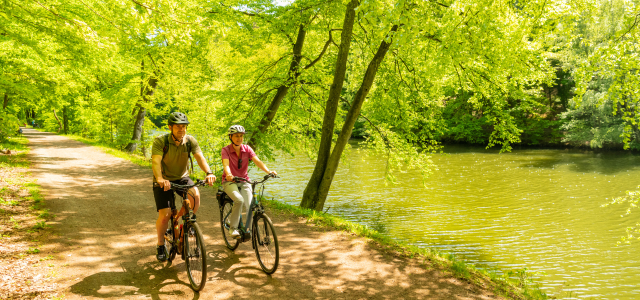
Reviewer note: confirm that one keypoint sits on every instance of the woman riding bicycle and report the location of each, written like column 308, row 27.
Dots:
column 235, row 160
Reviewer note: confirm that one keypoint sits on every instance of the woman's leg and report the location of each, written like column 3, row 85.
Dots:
column 247, row 194
column 231, row 189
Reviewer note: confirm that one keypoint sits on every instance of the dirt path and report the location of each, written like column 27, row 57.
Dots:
column 104, row 239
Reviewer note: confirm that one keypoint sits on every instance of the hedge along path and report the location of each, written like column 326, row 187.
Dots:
column 104, row 236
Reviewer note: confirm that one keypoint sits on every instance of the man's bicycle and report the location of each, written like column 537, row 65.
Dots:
column 262, row 234
column 186, row 239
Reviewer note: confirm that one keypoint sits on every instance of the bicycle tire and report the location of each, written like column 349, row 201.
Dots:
column 169, row 239
column 195, row 256
column 265, row 243
column 225, row 213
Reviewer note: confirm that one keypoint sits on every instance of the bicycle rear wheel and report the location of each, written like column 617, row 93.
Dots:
column 169, row 238
column 265, row 243
column 195, row 256
column 225, row 214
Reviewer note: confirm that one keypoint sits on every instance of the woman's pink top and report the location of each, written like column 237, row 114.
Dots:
column 246, row 153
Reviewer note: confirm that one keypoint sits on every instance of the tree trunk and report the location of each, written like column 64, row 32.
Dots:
column 310, row 196
column 65, row 118
column 146, row 91
column 351, row 118
column 137, row 129
column 57, row 119
column 6, row 101
column 294, row 72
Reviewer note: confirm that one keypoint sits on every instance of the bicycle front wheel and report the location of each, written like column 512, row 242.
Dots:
column 225, row 224
column 195, row 256
column 265, row 243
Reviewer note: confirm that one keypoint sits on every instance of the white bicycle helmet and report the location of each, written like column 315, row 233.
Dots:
column 236, row 129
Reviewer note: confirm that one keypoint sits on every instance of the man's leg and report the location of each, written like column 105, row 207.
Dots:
column 162, row 223
column 163, row 200
column 194, row 199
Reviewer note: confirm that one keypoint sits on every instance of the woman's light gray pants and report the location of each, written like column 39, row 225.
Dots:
column 240, row 198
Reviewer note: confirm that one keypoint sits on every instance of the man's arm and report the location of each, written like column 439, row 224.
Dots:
column 202, row 162
column 156, row 166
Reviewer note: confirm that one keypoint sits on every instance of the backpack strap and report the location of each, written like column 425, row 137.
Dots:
column 165, row 149
column 189, row 152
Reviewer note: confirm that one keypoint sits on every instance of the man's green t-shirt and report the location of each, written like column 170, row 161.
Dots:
column 176, row 161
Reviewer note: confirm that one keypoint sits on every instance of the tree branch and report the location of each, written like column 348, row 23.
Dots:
column 635, row 22
column 56, row 14
column 384, row 137
column 254, row 15
column 160, row 12
column 110, row 22
column 326, row 45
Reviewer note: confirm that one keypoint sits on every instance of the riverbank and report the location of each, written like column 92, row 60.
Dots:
column 513, row 284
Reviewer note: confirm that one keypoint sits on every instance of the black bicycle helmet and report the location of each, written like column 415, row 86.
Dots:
column 177, row 118
column 236, row 129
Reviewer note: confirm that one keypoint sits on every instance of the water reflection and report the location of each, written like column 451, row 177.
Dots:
column 538, row 209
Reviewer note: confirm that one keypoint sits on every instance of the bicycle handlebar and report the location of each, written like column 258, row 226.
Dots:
column 175, row 186
column 266, row 177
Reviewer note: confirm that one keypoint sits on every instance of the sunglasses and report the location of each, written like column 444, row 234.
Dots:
column 239, row 163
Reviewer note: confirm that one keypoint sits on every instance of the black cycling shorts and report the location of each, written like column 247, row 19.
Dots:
column 164, row 199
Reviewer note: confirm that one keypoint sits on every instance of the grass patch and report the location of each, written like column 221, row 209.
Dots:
column 44, row 214
column 48, row 257
column 517, row 284
column 40, row 225
column 20, row 195
column 21, row 232
column 33, row 250
column 18, row 145
column 134, row 158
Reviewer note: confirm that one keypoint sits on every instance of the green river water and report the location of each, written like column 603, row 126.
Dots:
column 534, row 208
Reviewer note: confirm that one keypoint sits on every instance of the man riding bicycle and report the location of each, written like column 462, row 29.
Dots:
column 235, row 160
column 169, row 156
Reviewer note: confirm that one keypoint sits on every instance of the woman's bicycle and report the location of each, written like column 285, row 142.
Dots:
column 262, row 234
column 186, row 239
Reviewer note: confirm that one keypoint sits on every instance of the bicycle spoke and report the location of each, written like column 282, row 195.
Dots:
column 266, row 244
column 195, row 257
column 225, row 213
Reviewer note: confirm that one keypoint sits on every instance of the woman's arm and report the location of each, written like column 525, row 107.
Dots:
column 262, row 166
column 227, row 169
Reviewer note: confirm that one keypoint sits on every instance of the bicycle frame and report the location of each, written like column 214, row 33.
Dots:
column 250, row 211
column 253, row 210
column 257, row 228
column 183, row 192
column 189, row 241
column 179, row 236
